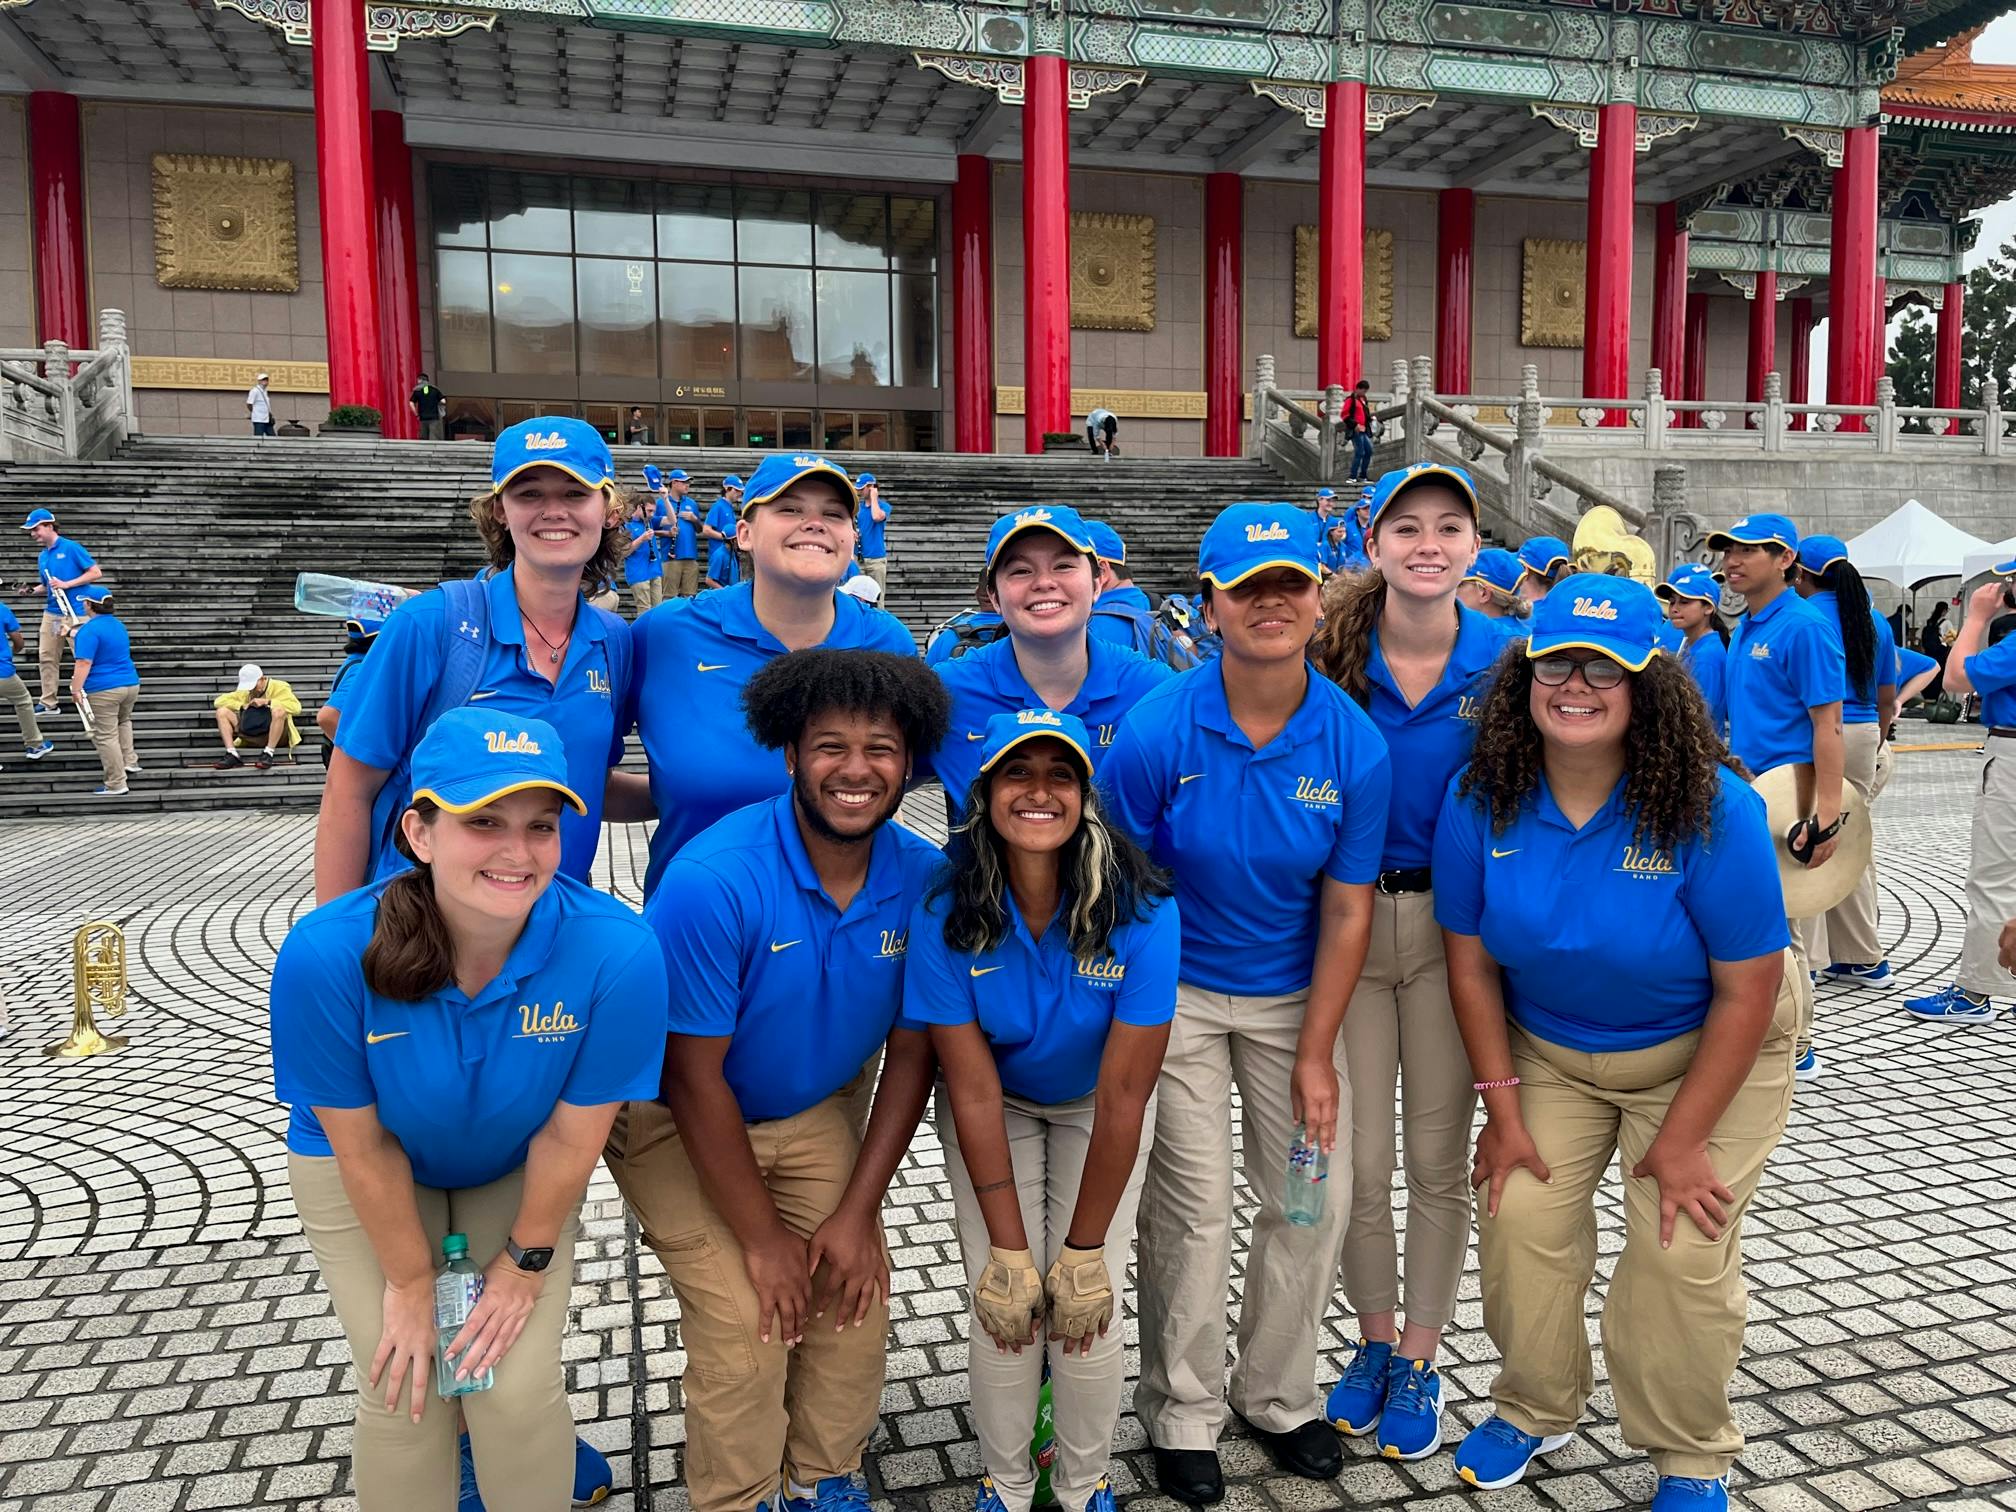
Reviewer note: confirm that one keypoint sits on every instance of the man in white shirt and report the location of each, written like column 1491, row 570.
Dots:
column 260, row 403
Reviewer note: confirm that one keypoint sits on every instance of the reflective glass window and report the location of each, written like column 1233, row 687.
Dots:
column 773, row 225
column 871, row 432
column 760, row 427
column 458, row 204
column 696, row 221
column 528, row 212
column 613, row 218
column 913, row 233
column 717, row 428
column 617, row 304
column 462, row 304
column 533, row 301
column 682, row 428
column 854, row 328
column 917, row 330
column 696, row 322
column 852, row 231
column 776, row 325
column 796, row 432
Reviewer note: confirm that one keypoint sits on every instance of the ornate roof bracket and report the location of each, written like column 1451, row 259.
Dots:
column 1385, row 106
column 1583, row 121
column 1744, row 283
column 1790, row 286
column 1655, row 126
column 1895, row 294
column 1825, row 142
column 1009, row 80
column 385, row 26
column 1086, row 80
column 1310, row 101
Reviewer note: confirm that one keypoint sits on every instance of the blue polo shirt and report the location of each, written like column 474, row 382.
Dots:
column 1250, row 834
column 1045, row 1013
column 385, row 699
column 1782, row 663
column 1859, row 707
column 803, row 992
column 102, row 641
column 1707, row 662
column 989, row 681
column 64, row 559
column 1428, row 742
column 642, row 565
column 693, row 657
column 686, row 539
column 577, row 1015
column 873, row 533
column 1993, row 673
column 1911, row 664
column 9, row 626
column 722, row 562
column 1605, row 941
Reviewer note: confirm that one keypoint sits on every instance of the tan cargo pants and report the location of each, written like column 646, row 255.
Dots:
column 1991, row 872
column 1847, row 932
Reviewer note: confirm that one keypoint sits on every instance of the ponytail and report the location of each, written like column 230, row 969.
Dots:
column 1858, row 630
column 1342, row 648
column 411, row 955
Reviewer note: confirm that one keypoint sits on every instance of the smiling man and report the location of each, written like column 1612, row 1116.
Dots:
column 759, row 1178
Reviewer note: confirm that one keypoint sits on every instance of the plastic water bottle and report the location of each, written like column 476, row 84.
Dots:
column 1308, row 1171
column 456, row 1287
column 1043, row 1445
column 346, row 598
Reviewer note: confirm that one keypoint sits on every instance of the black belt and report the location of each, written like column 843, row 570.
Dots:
column 1995, row 730
column 1406, row 879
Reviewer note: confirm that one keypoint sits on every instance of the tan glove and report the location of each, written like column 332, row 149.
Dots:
column 1080, row 1293
column 1009, row 1298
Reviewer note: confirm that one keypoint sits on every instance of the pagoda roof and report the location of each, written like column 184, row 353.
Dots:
column 1946, row 86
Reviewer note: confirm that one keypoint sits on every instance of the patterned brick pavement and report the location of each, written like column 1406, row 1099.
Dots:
column 164, row 1342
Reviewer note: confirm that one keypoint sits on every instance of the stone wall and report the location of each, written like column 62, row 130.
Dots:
column 1728, row 374
column 17, row 280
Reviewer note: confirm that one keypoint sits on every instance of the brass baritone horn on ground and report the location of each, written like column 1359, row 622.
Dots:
column 98, row 979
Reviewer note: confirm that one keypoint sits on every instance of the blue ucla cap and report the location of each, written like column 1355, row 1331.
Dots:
column 864, row 480
column 1391, row 485
column 1250, row 538
column 652, row 477
column 2004, row 569
column 733, row 480
column 1007, row 731
column 573, row 446
column 472, row 756
column 38, row 517
column 1106, row 542
column 778, row 471
column 363, row 629
column 1326, row 493
column 677, row 475
column 1819, row 552
column 1058, row 519
column 1757, row 530
column 1497, row 567
column 1588, row 611
column 90, row 593
column 1540, row 555
column 1690, row 580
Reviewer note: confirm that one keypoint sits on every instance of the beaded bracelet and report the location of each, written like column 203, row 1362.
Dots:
column 1509, row 1081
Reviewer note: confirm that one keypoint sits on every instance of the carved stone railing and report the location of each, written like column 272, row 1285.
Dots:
column 55, row 402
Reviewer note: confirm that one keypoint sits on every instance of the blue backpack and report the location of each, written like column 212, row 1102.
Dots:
column 1155, row 637
column 465, row 632
column 1184, row 622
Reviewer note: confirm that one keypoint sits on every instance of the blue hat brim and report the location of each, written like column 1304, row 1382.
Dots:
column 1538, row 646
column 469, row 794
column 820, row 470
column 1311, row 571
column 1039, row 732
column 1076, row 543
column 2004, row 569
column 499, row 485
column 1722, row 540
column 1666, row 591
column 1433, row 474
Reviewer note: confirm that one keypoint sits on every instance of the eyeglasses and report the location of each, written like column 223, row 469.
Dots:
column 1599, row 672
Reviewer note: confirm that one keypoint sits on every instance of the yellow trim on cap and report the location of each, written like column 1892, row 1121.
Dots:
column 499, row 487
column 504, row 792
column 1038, row 733
column 1668, row 590
column 1432, row 470
column 1045, row 524
column 1533, row 654
column 1736, row 540
column 748, row 502
column 1314, row 577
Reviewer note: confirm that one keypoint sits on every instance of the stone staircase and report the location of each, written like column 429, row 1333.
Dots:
column 202, row 537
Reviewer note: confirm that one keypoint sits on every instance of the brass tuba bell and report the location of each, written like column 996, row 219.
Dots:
column 1604, row 544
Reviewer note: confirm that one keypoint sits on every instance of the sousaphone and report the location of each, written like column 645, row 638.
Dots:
column 1604, row 543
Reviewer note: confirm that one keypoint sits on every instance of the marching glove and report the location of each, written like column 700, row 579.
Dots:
column 1009, row 1298
column 1079, row 1292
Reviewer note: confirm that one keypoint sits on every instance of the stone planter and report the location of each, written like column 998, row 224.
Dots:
column 1071, row 443
column 351, row 432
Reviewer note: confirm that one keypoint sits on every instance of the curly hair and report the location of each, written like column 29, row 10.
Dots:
column 1108, row 880
column 787, row 693
column 1342, row 645
column 485, row 509
column 1672, row 755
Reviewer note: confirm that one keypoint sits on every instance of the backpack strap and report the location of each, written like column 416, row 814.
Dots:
column 465, row 631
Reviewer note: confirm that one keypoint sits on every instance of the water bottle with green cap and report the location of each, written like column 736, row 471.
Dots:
column 456, row 1287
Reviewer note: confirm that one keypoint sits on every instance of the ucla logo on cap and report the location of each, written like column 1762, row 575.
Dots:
column 1274, row 532
column 1589, row 608
column 522, row 744
column 810, row 462
column 1039, row 717
column 1033, row 517
column 545, row 441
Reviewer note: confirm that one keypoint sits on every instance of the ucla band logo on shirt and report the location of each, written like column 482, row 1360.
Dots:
column 1271, row 532
column 1640, row 862
column 499, row 743
column 1589, row 608
column 597, row 683
column 1106, row 733
column 1317, row 793
column 1108, row 973
column 549, row 1028
column 1760, row 650
column 895, row 942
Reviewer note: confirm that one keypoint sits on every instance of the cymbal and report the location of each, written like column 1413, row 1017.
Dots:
column 1811, row 890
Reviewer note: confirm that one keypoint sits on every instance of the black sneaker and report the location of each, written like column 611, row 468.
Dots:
column 228, row 762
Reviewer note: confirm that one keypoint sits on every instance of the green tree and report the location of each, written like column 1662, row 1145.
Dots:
column 1989, row 345
column 1911, row 351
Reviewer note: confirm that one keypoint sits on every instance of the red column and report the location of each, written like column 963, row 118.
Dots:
column 1606, row 324
column 1694, row 366
column 1763, row 336
column 1340, row 237
column 1851, row 274
column 1946, row 357
column 1797, row 387
column 1455, row 264
column 973, row 305
column 398, row 269
column 1224, row 320
column 343, row 173
column 56, row 159
column 1669, row 301
column 1046, row 251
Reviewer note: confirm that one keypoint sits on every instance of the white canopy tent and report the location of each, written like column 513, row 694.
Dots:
column 1978, row 562
column 1914, row 546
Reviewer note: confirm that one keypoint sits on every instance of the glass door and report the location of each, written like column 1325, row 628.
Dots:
column 759, row 429
column 682, row 427
column 717, row 427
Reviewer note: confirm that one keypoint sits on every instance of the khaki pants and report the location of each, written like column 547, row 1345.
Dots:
column 51, row 646
column 878, row 569
column 15, row 692
column 1047, row 1147
column 520, row 1430
column 1847, row 932
column 1400, row 1028
column 647, row 594
column 112, row 732
column 683, row 577
column 1219, row 1041
column 755, row 1409
column 1673, row 1323
column 1991, row 872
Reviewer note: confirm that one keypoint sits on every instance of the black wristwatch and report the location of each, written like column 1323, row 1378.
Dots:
column 533, row 1260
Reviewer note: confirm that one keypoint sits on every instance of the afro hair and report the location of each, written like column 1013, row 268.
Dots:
column 782, row 698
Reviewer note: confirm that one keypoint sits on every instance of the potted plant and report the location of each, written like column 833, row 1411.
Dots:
column 352, row 420
column 1062, row 441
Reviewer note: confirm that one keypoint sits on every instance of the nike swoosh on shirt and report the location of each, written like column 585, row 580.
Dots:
column 775, row 947
column 1499, row 855
column 976, row 734
column 712, row 666
column 1191, row 778
column 379, row 1039
column 486, row 693
column 980, row 971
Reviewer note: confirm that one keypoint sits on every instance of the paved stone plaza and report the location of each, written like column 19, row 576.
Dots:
column 164, row 1342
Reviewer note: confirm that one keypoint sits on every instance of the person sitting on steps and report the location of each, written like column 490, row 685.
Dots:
column 258, row 713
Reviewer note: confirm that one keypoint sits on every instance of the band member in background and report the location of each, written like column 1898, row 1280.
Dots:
column 14, row 691
column 1542, row 561
column 1693, row 599
column 871, row 528
column 104, row 678
column 724, row 566
column 63, row 566
column 1491, row 587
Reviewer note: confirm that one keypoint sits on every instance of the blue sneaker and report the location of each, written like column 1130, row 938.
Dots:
column 1360, row 1397
column 1101, row 1499
column 467, row 1498
column 1841, row 972
column 36, row 753
column 987, row 1499
column 1411, row 1426
column 1494, row 1454
column 592, row 1476
column 843, row 1493
column 1808, row 1067
column 1691, row 1493
column 1953, row 1005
